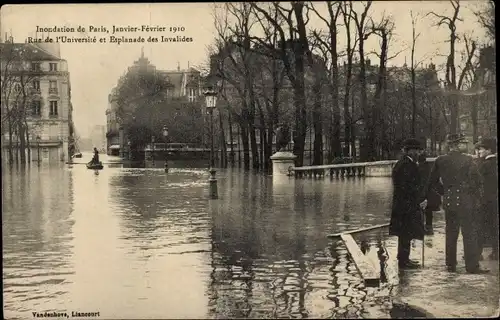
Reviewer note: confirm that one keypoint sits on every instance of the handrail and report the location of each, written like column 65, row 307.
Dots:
column 349, row 165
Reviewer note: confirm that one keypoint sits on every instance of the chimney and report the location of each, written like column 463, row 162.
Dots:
column 178, row 66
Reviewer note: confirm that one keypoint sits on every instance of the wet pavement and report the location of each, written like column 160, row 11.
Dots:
column 137, row 243
column 444, row 294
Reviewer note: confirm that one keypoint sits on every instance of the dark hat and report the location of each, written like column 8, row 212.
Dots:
column 488, row 143
column 455, row 138
column 412, row 144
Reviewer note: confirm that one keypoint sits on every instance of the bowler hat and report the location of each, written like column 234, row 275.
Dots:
column 455, row 138
column 488, row 143
column 412, row 144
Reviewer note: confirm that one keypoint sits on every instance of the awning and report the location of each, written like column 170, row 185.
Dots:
column 114, row 147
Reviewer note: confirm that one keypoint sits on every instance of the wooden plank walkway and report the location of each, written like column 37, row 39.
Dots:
column 368, row 271
column 335, row 235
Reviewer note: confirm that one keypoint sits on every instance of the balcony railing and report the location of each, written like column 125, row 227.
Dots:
column 53, row 90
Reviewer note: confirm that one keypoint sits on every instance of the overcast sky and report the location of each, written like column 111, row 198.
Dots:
column 95, row 67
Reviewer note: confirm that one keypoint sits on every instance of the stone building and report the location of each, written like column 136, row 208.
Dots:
column 183, row 83
column 36, row 90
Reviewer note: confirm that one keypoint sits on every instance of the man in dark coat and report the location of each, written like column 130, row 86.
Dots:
column 462, row 185
column 488, row 167
column 406, row 217
column 433, row 196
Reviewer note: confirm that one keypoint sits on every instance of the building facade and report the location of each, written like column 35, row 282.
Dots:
column 36, row 102
column 183, row 83
column 98, row 137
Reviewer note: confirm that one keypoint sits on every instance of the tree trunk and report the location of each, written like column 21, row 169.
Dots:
column 246, row 145
column 474, row 119
column 22, row 143
column 268, row 152
column 10, row 146
column 299, row 137
column 223, row 152
column 318, row 122
column 231, row 138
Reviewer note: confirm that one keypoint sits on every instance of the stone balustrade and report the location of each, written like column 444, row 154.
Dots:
column 344, row 170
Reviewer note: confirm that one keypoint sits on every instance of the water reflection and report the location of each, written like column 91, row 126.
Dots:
column 137, row 241
column 270, row 254
column 37, row 237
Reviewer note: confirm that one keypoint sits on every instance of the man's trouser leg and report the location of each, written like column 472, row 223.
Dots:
column 404, row 246
column 451, row 230
column 482, row 227
column 470, row 239
column 428, row 217
column 493, row 226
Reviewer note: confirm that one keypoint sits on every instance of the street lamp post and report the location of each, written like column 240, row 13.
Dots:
column 153, row 149
column 129, row 151
column 38, row 149
column 165, row 137
column 211, row 101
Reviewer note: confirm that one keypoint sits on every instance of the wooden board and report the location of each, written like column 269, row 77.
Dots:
column 358, row 230
column 369, row 273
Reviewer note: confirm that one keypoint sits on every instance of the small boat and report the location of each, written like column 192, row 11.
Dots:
column 95, row 166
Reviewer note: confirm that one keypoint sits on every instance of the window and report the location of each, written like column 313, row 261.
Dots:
column 36, row 66
column 192, row 95
column 52, row 86
column 36, row 108
column 53, row 108
column 36, row 85
column 53, row 66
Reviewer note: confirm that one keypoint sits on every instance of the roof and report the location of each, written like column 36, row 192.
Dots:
column 25, row 51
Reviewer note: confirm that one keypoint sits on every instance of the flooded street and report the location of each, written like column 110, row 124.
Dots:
column 139, row 243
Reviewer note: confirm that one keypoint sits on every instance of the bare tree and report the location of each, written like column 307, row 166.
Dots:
column 451, row 77
column 330, row 46
column 294, row 52
column 363, row 32
column 18, row 94
column 376, row 135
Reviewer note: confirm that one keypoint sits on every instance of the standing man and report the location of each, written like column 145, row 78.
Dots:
column 406, row 218
column 488, row 167
column 433, row 195
column 462, row 184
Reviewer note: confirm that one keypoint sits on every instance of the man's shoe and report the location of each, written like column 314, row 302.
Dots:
column 478, row 271
column 408, row 265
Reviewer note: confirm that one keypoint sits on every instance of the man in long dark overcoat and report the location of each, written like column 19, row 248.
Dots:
column 433, row 195
column 462, row 186
column 488, row 167
column 406, row 217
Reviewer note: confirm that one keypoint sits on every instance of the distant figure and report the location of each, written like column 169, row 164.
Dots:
column 95, row 159
column 282, row 137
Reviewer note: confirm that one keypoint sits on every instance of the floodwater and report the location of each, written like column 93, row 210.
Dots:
column 139, row 243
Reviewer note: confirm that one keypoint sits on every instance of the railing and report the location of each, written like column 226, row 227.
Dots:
column 358, row 169
column 53, row 90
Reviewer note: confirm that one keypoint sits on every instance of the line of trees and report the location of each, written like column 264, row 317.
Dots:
column 146, row 103
column 276, row 73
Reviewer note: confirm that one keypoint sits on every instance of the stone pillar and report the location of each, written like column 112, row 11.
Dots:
column 383, row 170
column 282, row 161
